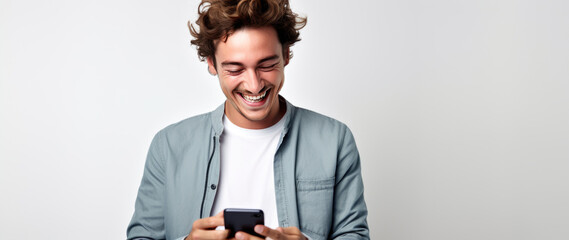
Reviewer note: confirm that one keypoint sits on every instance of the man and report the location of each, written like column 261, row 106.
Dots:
column 254, row 151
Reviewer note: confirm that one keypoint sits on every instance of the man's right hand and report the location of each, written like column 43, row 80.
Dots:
column 205, row 228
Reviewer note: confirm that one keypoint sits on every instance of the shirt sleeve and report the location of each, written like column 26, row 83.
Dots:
column 350, row 211
column 148, row 219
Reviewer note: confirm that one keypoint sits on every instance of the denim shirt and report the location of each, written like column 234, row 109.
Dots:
column 318, row 184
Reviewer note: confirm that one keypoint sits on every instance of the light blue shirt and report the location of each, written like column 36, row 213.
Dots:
column 318, row 184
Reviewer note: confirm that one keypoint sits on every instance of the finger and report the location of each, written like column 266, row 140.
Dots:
column 268, row 232
column 208, row 223
column 219, row 214
column 291, row 230
column 209, row 234
column 245, row 236
column 291, row 233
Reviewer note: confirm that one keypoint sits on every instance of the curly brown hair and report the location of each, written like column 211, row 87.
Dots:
column 220, row 18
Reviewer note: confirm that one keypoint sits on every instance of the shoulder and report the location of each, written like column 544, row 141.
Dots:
column 311, row 120
column 192, row 136
column 189, row 129
column 190, row 124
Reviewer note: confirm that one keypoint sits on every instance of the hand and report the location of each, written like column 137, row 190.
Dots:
column 289, row 233
column 205, row 228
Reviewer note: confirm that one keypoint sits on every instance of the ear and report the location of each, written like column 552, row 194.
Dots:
column 211, row 66
column 286, row 55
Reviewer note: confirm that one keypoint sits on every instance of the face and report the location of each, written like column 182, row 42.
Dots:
column 250, row 67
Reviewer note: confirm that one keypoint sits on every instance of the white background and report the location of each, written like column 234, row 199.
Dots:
column 460, row 110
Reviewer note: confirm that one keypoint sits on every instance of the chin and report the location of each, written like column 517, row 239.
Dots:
column 255, row 117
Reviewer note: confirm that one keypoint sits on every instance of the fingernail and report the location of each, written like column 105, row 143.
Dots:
column 239, row 236
column 259, row 229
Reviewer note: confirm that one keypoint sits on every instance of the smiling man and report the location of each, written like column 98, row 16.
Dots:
column 251, row 74
column 256, row 150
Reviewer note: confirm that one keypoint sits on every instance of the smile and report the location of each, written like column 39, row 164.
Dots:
column 254, row 98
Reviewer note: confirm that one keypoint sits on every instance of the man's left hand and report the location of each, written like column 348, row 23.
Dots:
column 289, row 233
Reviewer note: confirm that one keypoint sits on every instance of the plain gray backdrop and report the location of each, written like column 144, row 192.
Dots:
column 460, row 110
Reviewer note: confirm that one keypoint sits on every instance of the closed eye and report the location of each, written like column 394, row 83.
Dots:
column 234, row 72
column 268, row 68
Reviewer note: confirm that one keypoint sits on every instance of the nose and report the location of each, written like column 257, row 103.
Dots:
column 253, row 82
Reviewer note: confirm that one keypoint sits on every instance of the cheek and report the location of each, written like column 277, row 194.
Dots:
column 274, row 77
column 229, row 83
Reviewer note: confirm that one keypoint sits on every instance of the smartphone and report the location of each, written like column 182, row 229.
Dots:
column 243, row 219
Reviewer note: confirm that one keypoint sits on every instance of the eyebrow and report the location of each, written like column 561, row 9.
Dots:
column 223, row 64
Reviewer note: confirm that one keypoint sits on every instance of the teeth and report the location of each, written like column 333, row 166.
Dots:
column 252, row 98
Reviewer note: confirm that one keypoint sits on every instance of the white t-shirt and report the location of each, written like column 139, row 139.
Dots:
column 247, row 173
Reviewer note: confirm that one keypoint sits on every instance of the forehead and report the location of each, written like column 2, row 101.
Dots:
column 249, row 45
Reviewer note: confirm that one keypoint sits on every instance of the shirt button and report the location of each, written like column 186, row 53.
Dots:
column 213, row 187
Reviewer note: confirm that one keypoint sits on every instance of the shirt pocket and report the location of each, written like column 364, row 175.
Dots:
column 315, row 199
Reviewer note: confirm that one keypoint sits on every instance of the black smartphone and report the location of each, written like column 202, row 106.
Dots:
column 243, row 219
